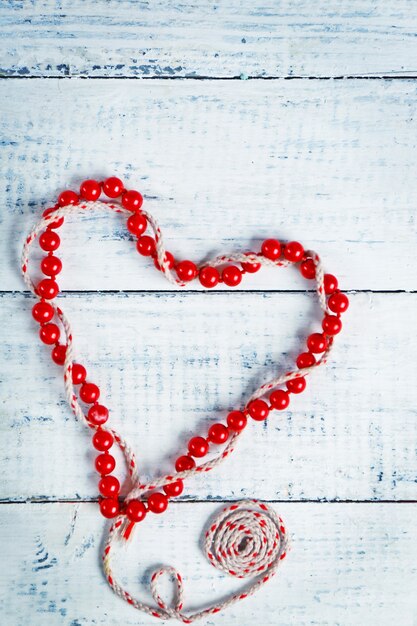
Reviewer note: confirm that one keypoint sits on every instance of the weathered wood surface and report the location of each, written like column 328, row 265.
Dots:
column 350, row 564
column 205, row 39
column 222, row 165
column 171, row 364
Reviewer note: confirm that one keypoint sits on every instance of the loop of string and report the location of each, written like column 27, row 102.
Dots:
column 246, row 538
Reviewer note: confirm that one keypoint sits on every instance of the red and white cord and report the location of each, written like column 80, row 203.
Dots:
column 247, row 538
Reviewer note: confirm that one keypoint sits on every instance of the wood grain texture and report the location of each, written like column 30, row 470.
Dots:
column 205, row 39
column 169, row 365
column 223, row 165
column 349, row 564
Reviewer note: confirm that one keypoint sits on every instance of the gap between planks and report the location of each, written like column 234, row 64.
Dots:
column 75, row 292
column 11, row 501
column 411, row 76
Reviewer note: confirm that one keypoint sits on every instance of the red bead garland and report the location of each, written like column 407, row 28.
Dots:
column 209, row 276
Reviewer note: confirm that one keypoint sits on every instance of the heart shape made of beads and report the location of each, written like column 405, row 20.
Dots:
column 247, row 538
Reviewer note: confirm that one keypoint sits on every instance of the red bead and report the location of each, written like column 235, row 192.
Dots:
column 317, row 342
column 68, row 197
column 98, row 414
column 236, row 421
column 56, row 223
column 135, row 510
column 51, row 265
column 293, row 251
column 331, row 324
column 338, row 302
column 109, row 508
column 90, row 190
column 296, row 385
column 42, row 312
column 279, row 399
column 89, row 393
column 109, row 486
column 58, row 354
column 113, row 187
column 251, row 268
column 132, row 200
column 48, row 288
column 146, row 245
column 198, row 447
column 330, row 283
column 218, row 433
column 308, row 269
column 174, row 489
column 49, row 240
column 209, row 276
column 79, row 373
column 105, row 463
column 157, row 502
column 169, row 259
column 102, row 440
column 49, row 333
column 305, row 359
column 231, row 275
column 186, row 270
column 184, row 463
column 137, row 224
column 258, row 410
column 271, row 249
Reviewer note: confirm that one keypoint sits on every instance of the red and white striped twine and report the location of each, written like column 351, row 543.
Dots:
column 247, row 538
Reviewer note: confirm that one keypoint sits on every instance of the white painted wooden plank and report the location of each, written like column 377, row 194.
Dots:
column 226, row 39
column 350, row 565
column 223, row 165
column 169, row 365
